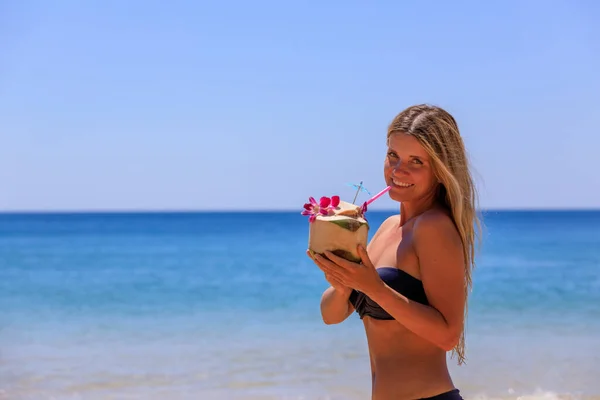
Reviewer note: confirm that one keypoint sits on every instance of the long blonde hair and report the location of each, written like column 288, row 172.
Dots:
column 438, row 133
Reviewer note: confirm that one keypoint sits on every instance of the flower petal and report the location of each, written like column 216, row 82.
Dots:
column 312, row 201
column 324, row 202
column 312, row 218
column 335, row 201
column 324, row 211
column 306, row 212
column 308, row 206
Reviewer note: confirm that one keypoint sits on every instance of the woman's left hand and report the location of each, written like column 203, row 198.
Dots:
column 362, row 277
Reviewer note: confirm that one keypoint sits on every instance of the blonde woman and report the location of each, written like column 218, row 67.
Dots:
column 411, row 287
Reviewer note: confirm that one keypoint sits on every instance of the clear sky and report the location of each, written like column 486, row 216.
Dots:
column 146, row 105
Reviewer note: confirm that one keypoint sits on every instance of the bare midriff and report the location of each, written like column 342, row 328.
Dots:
column 404, row 365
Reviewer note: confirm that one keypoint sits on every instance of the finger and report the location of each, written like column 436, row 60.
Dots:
column 329, row 268
column 330, row 278
column 362, row 252
column 332, row 273
column 335, row 278
column 342, row 262
column 324, row 259
column 336, row 284
column 319, row 261
column 322, row 267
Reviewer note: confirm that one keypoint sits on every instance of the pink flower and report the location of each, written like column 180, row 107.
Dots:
column 363, row 209
column 330, row 203
column 324, row 207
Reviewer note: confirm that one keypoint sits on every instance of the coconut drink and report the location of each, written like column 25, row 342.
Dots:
column 337, row 226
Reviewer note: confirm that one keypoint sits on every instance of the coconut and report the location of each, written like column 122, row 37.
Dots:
column 340, row 232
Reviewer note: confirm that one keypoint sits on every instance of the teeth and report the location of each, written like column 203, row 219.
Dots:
column 402, row 184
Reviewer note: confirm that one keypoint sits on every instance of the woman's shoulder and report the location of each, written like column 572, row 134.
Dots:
column 438, row 225
column 390, row 221
column 386, row 225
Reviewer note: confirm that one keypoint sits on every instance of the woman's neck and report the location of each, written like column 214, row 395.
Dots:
column 409, row 210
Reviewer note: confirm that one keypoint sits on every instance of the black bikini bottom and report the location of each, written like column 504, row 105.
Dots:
column 450, row 395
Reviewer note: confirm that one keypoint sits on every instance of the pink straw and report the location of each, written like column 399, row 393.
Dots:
column 378, row 195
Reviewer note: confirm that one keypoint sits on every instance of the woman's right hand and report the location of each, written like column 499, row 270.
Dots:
column 339, row 287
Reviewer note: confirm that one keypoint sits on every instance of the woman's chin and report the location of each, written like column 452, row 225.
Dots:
column 400, row 194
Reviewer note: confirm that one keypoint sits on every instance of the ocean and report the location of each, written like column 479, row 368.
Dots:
column 226, row 306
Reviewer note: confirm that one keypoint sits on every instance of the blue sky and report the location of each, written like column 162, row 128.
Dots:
column 147, row 105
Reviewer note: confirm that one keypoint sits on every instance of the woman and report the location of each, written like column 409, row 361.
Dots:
column 411, row 287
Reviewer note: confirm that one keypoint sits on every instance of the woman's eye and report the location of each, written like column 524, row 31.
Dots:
column 417, row 161
column 391, row 154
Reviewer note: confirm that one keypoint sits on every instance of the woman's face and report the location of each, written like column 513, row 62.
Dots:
column 408, row 169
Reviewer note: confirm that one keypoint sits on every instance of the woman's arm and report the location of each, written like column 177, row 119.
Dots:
column 335, row 306
column 439, row 250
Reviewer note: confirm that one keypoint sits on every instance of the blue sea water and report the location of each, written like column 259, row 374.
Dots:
column 226, row 306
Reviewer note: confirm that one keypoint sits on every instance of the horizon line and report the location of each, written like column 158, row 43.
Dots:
column 262, row 210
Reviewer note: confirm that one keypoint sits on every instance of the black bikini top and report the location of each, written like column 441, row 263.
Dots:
column 402, row 282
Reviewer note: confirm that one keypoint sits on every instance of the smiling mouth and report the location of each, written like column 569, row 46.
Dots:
column 402, row 184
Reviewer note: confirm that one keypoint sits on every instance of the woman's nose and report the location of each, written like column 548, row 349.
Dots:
column 398, row 167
